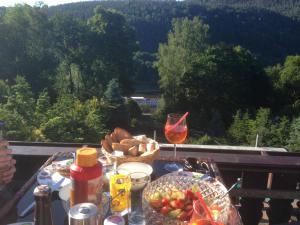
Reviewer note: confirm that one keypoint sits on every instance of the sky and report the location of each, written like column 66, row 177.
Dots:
column 32, row 2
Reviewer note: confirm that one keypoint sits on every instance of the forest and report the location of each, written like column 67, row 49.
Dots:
column 67, row 72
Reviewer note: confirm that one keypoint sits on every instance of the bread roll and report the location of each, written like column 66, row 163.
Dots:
column 121, row 147
column 114, row 138
column 151, row 146
column 121, row 134
column 141, row 138
column 142, row 148
column 131, row 142
column 133, row 151
column 106, row 146
column 108, row 139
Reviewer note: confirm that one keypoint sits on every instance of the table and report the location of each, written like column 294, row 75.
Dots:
column 24, row 197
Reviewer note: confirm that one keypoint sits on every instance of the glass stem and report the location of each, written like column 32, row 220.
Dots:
column 175, row 153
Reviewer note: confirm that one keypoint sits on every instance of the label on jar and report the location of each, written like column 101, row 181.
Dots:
column 86, row 191
column 120, row 186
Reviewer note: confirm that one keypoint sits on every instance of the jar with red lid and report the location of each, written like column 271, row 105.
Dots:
column 86, row 178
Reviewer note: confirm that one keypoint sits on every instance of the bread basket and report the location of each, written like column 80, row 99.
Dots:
column 147, row 158
column 151, row 148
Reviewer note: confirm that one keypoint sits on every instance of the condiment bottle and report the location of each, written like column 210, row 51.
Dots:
column 86, row 175
column 43, row 211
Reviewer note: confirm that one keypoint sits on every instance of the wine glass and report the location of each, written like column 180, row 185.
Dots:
column 175, row 132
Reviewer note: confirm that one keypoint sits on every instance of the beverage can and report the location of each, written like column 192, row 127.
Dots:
column 84, row 214
column 114, row 220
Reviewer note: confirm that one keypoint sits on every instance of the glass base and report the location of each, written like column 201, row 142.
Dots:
column 136, row 218
column 173, row 166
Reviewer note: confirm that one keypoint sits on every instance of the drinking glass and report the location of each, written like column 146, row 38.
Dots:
column 200, row 216
column 139, row 180
column 175, row 132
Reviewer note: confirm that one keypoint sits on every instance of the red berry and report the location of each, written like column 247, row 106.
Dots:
column 165, row 210
column 165, row 201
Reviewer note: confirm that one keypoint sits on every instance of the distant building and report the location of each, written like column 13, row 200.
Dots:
column 152, row 102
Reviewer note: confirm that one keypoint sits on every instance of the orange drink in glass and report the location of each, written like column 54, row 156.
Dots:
column 176, row 133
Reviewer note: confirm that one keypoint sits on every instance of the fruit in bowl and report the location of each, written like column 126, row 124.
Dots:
column 176, row 204
column 169, row 199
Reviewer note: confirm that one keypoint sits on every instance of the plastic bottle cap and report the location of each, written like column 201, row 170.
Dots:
column 86, row 157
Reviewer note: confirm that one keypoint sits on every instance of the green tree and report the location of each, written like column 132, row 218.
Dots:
column 239, row 130
column 70, row 120
column 294, row 140
column 116, row 111
column 112, row 94
column 26, row 46
column 223, row 79
column 70, row 80
column 271, row 131
column 279, row 133
column 42, row 107
column 18, row 111
column 4, row 91
column 186, row 39
column 112, row 45
column 290, row 83
column 21, row 99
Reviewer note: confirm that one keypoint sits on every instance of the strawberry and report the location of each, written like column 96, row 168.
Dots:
column 165, row 201
column 165, row 210
column 180, row 203
column 173, row 204
column 177, row 204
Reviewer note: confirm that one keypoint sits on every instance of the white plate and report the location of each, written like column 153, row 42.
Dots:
column 131, row 167
column 49, row 177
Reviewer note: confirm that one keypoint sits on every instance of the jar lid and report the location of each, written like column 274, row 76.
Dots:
column 86, row 157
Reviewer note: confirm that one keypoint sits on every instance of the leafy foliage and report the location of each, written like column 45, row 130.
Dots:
column 294, row 140
column 271, row 131
column 187, row 38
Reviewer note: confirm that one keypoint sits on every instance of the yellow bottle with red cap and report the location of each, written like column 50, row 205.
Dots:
column 85, row 176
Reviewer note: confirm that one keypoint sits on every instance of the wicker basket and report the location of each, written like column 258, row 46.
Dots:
column 148, row 158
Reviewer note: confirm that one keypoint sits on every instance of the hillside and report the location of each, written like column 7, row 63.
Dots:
column 270, row 29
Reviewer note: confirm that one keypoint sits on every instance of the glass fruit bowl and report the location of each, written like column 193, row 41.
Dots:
column 210, row 188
